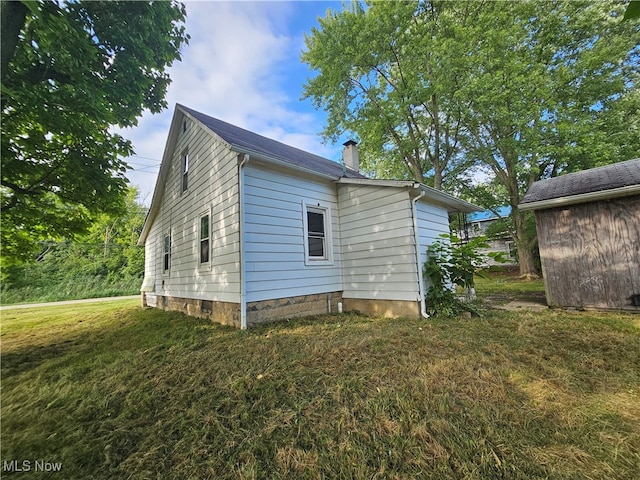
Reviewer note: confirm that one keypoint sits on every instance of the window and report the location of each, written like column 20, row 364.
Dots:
column 204, row 239
column 185, row 171
column 167, row 253
column 317, row 233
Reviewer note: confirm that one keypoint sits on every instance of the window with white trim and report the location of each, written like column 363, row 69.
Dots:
column 205, row 235
column 185, row 171
column 317, row 230
column 166, row 256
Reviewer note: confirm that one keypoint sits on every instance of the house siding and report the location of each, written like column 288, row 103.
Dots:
column 212, row 189
column 274, row 241
column 433, row 221
column 379, row 259
column 262, row 267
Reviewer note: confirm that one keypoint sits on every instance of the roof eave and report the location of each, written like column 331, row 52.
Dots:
column 451, row 203
column 581, row 198
column 165, row 166
column 278, row 161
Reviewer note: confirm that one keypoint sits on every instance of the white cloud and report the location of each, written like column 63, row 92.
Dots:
column 236, row 68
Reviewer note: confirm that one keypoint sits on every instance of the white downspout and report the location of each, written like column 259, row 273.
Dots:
column 421, row 293
column 243, row 276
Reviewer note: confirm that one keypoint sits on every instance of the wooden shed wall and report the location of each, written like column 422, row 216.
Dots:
column 591, row 254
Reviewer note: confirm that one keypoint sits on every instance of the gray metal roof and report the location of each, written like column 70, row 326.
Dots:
column 595, row 183
column 245, row 141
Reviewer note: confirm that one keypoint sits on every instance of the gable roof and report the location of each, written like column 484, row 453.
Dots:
column 244, row 141
column 611, row 181
column 271, row 151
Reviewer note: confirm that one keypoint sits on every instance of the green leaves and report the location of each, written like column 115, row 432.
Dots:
column 524, row 90
column 451, row 262
column 633, row 10
column 78, row 69
column 386, row 75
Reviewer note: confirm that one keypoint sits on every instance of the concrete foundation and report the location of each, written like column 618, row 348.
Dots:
column 291, row 307
column 257, row 312
column 225, row 313
column 384, row 308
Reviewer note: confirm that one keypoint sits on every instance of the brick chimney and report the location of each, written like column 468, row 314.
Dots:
column 350, row 155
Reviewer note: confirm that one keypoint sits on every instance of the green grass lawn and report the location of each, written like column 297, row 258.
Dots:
column 503, row 286
column 115, row 391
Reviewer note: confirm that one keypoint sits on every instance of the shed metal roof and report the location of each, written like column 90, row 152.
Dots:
column 502, row 212
column 609, row 181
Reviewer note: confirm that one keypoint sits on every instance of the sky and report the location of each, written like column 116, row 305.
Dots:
column 242, row 65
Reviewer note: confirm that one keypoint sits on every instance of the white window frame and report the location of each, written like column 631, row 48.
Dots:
column 184, row 172
column 166, row 255
column 325, row 210
column 207, row 264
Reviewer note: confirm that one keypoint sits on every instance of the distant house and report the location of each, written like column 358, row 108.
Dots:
column 502, row 242
column 243, row 229
column 589, row 236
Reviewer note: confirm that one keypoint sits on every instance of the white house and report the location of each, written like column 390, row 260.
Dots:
column 243, row 229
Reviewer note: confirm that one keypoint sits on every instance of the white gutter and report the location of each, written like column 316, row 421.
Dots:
column 581, row 198
column 421, row 293
column 243, row 270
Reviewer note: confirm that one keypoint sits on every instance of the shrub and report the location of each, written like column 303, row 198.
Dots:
column 452, row 262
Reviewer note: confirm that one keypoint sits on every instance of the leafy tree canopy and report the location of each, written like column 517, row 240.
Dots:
column 104, row 261
column 70, row 72
column 523, row 90
column 633, row 10
column 390, row 74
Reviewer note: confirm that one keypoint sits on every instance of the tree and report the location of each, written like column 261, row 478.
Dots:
column 534, row 89
column 70, row 72
column 104, row 261
column 548, row 89
column 389, row 74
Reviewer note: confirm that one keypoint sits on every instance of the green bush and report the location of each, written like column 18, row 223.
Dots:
column 450, row 263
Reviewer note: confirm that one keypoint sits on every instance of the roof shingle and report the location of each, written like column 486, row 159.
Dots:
column 250, row 142
column 600, row 179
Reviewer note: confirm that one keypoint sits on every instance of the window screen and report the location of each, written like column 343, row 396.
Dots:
column 204, row 239
column 316, row 233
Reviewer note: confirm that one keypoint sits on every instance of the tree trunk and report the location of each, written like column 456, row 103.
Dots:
column 12, row 17
column 437, row 177
column 524, row 246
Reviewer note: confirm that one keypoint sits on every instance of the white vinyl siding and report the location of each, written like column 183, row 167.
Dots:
column 212, row 187
column 274, row 235
column 379, row 260
column 432, row 221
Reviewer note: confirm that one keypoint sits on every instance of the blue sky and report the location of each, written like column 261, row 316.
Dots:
column 242, row 65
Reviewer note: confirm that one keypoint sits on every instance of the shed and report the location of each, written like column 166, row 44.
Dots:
column 589, row 236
